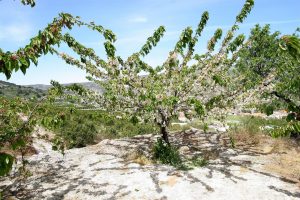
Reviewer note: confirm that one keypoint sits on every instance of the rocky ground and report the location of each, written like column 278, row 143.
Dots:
column 108, row 170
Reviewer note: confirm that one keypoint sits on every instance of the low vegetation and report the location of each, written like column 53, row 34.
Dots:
column 83, row 127
column 290, row 130
column 247, row 128
column 198, row 161
column 166, row 154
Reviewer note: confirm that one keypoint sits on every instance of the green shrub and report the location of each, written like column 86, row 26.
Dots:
column 77, row 132
column 278, row 127
column 166, row 154
column 292, row 129
column 81, row 127
column 199, row 161
column 254, row 125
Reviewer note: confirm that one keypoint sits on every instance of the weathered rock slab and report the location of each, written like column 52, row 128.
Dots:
column 101, row 172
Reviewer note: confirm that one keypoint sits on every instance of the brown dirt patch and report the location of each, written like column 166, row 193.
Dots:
column 29, row 151
column 171, row 181
column 138, row 157
column 246, row 138
column 286, row 165
column 282, row 156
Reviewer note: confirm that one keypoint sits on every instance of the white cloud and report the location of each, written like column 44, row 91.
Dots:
column 139, row 20
column 15, row 32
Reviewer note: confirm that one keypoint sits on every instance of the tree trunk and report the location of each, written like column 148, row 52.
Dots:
column 163, row 123
column 298, row 116
column 164, row 134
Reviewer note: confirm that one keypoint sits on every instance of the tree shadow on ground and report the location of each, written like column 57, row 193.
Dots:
column 60, row 179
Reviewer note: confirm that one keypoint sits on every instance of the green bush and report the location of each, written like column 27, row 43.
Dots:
column 82, row 127
column 290, row 130
column 199, row 161
column 255, row 125
column 166, row 154
column 278, row 127
column 77, row 132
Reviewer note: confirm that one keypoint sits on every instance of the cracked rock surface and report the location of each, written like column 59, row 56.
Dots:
column 101, row 172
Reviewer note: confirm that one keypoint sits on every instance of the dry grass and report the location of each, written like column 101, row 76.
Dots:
column 242, row 137
column 283, row 158
column 286, row 165
column 138, row 157
column 246, row 138
column 142, row 160
column 281, row 155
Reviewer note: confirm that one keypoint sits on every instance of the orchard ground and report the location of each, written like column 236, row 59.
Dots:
column 122, row 169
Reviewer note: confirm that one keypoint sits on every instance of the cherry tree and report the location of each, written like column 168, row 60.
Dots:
column 186, row 82
column 279, row 61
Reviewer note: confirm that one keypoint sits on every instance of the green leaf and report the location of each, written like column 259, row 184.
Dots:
column 18, row 143
column 23, row 69
column 291, row 117
column 218, row 80
column 269, row 110
column 134, row 120
column 6, row 162
column 24, row 62
column 198, row 106
column 34, row 60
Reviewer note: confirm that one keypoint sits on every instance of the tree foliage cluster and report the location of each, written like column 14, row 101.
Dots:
column 42, row 43
column 15, row 130
column 261, row 58
column 185, row 82
column 18, row 119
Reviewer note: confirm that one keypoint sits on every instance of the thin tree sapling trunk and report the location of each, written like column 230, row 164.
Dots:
column 164, row 134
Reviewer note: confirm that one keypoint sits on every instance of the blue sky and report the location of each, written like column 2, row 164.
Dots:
column 132, row 21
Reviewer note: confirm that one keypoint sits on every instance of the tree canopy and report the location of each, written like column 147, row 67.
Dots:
column 198, row 85
column 276, row 56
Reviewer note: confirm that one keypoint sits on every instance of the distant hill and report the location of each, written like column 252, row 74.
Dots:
column 87, row 85
column 11, row 90
column 39, row 86
column 3, row 83
column 38, row 90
